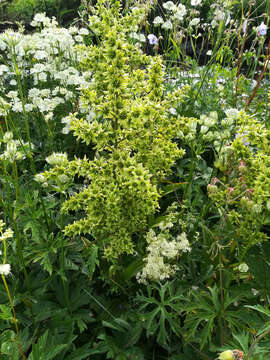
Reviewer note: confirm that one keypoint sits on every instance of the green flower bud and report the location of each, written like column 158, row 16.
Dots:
column 226, row 355
column 211, row 188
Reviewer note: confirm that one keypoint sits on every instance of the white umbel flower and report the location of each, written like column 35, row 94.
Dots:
column 169, row 5
column 195, row 2
column 158, row 21
column 167, row 25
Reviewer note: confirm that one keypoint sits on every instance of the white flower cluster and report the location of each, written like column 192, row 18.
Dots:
column 175, row 15
column 8, row 233
column 4, row 235
column 47, row 59
column 138, row 37
column 15, row 149
column 221, row 13
column 162, row 249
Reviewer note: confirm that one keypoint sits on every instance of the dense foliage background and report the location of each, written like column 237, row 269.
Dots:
column 135, row 181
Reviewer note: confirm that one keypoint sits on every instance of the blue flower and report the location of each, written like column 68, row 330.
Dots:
column 153, row 40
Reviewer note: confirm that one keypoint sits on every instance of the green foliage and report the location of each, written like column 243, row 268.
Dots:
column 161, row 315
column 120, row 344
column 146, row 234
column 207, row 311
column 242, row 194
column 45, row 348
column 24, row 10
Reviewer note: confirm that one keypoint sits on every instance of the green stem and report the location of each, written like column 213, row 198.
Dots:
column 222, row 301
column 33, row 168
column 10, row 301
column 62, row 261
column 25, row 116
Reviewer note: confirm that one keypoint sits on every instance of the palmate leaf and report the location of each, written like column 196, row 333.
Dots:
column 264, row 329
column 81, row 353
column 243, row 340
column 121, row 339
column 91, row 253
column 203, row 311
column 260, row 308
column 44, row 348
column 205, row 334
column 152, row 325
column 117, row 324
column 162, row 335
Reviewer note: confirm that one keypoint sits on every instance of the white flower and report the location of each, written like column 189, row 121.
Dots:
column 42, row 76
column 173, row 111
column 41, row 18
column 4, row 269
column 153, row 40
column 158, row 21
column 165, row 225
column 167, row 25
column 214, row 23
column 6, row 235
column 141, row 38
column 57, row 159
column 39, row 178
column 161, row 248
column 40, row 55
column 79, row 38
column 28, row 107
column 3, row 69
column 180, row 13
column 219, row 15
column 232, row 113
column 12, row 94
column 37, row 68
column 169, row 5
column 73, row 30
column 254, row 292
column 183, row 243
column 195, row 2
column 83, row 31
column 17, row 106
column 66, row 120
column 8, row 136
column 243, row 267
column 262, row 29
column 194, row 22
